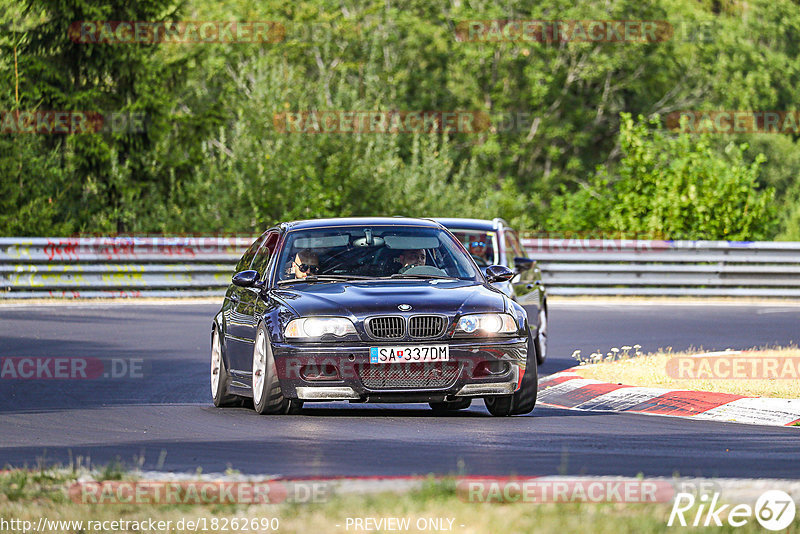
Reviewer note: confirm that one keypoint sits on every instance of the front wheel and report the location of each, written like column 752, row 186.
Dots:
column 524, row 400
column 267, row 395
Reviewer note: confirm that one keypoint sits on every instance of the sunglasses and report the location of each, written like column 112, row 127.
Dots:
column 305, row 268
column 477, row 244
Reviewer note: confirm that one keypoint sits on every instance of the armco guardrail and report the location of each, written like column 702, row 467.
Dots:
column 202, row 266
column 667, row 268
column 117, row 266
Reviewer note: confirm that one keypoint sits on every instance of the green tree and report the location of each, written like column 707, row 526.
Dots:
column 103, row 176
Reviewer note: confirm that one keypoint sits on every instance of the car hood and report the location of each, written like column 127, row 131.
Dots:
column 359, row 299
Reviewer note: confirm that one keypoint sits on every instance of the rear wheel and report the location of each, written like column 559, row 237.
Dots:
column 219, row 375
column 267, row 395
column 450, row 406
column 524, row 400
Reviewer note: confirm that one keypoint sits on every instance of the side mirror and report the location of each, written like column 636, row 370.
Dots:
column 498, row 273
column 523, row 264
column 246, row 279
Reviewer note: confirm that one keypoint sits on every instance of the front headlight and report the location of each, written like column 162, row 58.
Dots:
column 316, row 327
column 486, row 324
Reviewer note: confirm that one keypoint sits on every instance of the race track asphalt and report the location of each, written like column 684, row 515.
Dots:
column 164, row 420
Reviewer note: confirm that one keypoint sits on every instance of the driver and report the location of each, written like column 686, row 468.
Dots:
column 305, row 263
column 410, row 258
column 477, row 248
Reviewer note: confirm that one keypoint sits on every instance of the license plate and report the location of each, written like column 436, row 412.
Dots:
column 411, row 354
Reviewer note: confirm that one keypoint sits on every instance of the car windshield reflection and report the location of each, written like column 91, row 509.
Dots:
column 372, row 252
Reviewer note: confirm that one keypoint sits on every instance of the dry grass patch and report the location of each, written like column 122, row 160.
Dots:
column 741, row 373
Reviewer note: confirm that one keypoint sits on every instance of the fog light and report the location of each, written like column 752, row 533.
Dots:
column 319, row 372
column 490, row 369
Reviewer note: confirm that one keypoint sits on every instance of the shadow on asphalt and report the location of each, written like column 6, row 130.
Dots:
column 378, row 410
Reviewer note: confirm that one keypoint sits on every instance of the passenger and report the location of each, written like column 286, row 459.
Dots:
column 305, row 263
column 410, row 258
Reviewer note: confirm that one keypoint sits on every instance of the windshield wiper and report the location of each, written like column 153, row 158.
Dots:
column 325, row 278
column 424, row 276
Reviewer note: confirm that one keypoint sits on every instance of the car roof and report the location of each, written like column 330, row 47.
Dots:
column 359, row 221
column 471, row 224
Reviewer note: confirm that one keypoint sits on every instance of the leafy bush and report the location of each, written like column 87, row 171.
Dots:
column 673, row 186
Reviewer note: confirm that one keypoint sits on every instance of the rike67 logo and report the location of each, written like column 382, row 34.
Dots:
column 774, row 510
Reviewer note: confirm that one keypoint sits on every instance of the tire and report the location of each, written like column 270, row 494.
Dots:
column 499, row 405
column 450, row 406
column 524, row 400
column 267, row 396
column 219, row 375
column 525, row 397
column 541, row 338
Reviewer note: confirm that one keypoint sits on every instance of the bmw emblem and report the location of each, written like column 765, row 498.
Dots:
column 404, row 307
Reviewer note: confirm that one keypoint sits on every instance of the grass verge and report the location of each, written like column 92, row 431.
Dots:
column 743, row 373
column 435, row 506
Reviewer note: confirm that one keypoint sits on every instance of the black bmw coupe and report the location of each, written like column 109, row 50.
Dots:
column 370, row 310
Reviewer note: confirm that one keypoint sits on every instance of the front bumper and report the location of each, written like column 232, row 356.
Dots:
column 327, row 372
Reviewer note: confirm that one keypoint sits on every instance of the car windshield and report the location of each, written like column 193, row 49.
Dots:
column 366, row 252
column 482, row 246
